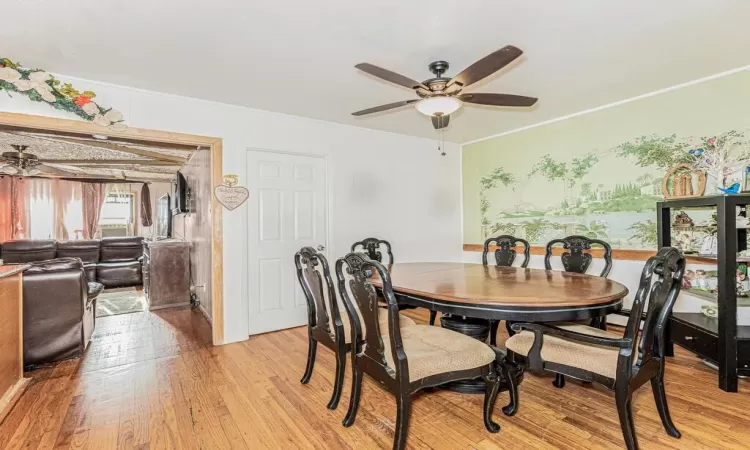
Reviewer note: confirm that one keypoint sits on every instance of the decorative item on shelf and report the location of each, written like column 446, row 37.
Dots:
column 746, row 183
column 686, row 242
column 40, row 86
column 733, row 189
column 682, row 221
column 711, row 311
column 742, row 282
column 710, row 243
column 723, row 157
column 741, row 221
column 229, row 194
column 683, row 180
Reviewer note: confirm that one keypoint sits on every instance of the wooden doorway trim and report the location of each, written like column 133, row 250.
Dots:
column 35, row 123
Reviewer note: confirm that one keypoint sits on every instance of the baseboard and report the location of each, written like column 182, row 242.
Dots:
column 172, row 305
column 205, row 314
column 11, row 397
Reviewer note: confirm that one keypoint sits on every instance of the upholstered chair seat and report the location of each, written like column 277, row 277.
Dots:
column 435, row 350
column 593, row 358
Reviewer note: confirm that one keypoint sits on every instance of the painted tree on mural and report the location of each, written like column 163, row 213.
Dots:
column 560, row 171
column 660, row 151
column 487, row 182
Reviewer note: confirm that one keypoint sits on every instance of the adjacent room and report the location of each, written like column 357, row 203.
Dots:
column 330, row 225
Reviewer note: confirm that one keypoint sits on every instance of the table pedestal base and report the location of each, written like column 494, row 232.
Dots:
column 478, row 329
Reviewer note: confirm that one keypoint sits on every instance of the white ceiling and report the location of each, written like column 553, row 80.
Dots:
column 298, row 56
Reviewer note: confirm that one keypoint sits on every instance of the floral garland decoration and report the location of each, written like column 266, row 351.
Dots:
column 40, row 86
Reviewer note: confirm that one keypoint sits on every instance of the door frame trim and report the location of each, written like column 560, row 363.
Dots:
column 328, row 206
column 53, row 124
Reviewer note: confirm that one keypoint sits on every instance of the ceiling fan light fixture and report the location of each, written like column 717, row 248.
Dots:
column 439, row 106
column 10, row 170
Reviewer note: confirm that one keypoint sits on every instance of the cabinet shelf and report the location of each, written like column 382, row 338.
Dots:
column 717, row 339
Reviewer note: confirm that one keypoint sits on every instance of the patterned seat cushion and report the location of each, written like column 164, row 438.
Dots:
column 382, row 321
column 433, row 350
column 593, row 358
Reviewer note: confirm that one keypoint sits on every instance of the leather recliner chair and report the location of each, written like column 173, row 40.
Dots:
column 58, row 311
column 120, row 262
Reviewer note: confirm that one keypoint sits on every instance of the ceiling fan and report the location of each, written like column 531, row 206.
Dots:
column 27, row 164
column 440, row 96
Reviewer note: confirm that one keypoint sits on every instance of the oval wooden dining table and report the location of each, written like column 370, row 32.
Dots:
column 503, row 293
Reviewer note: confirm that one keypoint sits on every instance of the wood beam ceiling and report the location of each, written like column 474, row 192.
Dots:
column 105, row 162
column 120, row 148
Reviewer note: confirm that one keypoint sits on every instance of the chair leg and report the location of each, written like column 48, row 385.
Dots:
column 403, row 413
column 433, row 315
column 351, row 414
column 312, row 348
column 559, row 381
column 509, row 329
column 624, row 410
column 599, row 322
column 660, row 396
column 510, row 372
column 492, row 387
column 338, row 383
column 494, row 324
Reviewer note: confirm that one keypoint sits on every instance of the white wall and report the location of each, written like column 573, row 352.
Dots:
column 382, row 184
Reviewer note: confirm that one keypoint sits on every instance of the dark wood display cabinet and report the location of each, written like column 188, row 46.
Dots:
column 719, row 340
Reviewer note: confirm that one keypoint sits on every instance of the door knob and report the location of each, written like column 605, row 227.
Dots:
column 321, row 248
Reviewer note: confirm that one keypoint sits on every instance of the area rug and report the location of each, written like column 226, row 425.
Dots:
column 112, row 302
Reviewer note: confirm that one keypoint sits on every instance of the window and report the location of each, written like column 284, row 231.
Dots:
column 118, row 214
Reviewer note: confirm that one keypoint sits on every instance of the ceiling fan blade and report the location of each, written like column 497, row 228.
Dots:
column 392, row 77
column 486, row 66
column 54, row 170
column 497, row 99
column 384, row 107
column 440, row 121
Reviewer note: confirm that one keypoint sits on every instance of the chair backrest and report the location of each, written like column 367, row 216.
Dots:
column 660, row 284
column 506, row 253
column 371, row 247
column 360, row 294
column 314, row 276
column 576, row 258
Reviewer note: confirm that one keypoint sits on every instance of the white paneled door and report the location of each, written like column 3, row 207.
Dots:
column 286, row 211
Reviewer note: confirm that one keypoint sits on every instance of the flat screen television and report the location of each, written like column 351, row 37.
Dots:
column 179, row 194
column 163, row 217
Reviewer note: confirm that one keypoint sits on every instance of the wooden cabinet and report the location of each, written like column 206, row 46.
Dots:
column 166, row 273
column 12, row 382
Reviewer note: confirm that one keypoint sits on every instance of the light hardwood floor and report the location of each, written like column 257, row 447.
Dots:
column 152, row 381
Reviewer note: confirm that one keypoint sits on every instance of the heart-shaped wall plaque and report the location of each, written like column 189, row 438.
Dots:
column 229, row 194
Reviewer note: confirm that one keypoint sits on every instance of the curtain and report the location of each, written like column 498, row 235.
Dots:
column 53, row 209
column 146, row 219
column 93, row 198
column 12, row 208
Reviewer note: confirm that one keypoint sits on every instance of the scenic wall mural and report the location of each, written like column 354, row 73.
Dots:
column 599, row 174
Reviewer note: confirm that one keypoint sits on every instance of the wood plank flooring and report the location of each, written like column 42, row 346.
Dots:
column 152, row 381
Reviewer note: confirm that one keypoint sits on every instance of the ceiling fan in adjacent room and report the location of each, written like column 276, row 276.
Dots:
column 27, row 164
column 440, row 96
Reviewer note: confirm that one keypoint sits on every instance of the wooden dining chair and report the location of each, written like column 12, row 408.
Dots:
column 576, row 257
column 405, row 360
column 372, row 248
column 505, row 256
column 324, row 319
column 606, row 358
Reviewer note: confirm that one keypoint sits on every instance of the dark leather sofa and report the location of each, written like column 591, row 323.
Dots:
column 113, row 262
column 61, row 286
